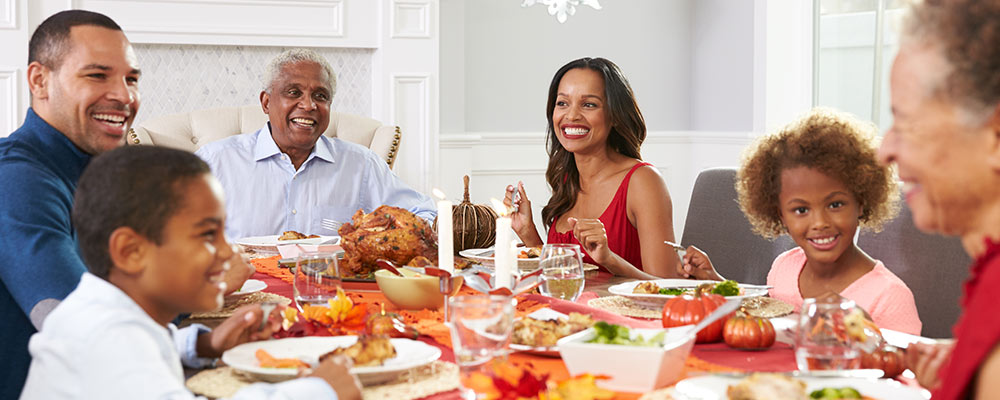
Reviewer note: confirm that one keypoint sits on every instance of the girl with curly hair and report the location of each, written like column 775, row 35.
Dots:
column 604, row 197
column 818, row 180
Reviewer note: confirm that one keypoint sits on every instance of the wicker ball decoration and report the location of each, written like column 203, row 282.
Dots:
column 474, row 225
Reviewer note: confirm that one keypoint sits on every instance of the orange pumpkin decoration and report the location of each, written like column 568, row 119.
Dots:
column 887, row 358
column 689, row 310
column 748, row 332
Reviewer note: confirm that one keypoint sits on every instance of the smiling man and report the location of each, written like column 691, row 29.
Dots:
column 83, row 78
column 287, row 175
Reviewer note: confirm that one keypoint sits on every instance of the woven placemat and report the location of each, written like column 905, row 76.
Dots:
column 625, row 306
column 416, row 383
column 233, row 303
column 659, row 394
column 766, row 307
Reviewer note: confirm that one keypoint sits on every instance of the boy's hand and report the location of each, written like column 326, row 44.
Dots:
column 336, row 372
column 239, row 271
column 695, row 264
column 242, row 327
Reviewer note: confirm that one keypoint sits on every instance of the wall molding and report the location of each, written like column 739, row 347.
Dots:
column 507, row 171
column 464, row 140
column 8, row 14
column 410, row 99
column 411, row 19
column 9, row 89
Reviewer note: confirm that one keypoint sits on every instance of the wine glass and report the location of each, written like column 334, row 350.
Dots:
column 821, row 338
column 562, row 271
column 480, row 326
column 317, row 278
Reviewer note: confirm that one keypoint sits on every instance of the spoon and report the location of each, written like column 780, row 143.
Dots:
column 720, row 312
column 388, row 265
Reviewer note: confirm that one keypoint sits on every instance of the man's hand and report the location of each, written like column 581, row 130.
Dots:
column 242, row 327
column 336, row 372
column 239, row 271
column 696, row 264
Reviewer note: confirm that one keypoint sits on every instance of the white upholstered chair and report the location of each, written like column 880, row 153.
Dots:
column 189, row 131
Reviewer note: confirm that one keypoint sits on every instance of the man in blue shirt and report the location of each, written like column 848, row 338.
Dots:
column 287, row 175
column 83, row 78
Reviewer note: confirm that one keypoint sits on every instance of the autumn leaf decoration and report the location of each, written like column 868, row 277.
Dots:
column 508, row 382
column 341, row 316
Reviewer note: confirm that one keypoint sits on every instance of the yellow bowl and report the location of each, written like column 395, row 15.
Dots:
column 413, row 291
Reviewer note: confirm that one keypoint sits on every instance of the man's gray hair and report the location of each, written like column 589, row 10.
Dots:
column 293, row 56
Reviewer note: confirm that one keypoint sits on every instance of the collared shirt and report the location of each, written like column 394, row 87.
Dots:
column 266, row 195
column 99, row 344
column 39, row 259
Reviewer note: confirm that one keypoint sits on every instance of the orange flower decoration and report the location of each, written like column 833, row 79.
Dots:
column 507, row 382
column 341, row 316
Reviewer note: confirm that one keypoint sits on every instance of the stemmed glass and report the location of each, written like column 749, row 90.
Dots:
column 481, row 326
column 562, row 271
column 317, row 278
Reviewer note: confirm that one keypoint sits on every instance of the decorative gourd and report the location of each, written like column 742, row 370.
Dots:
column 744, row 331
column 887, row 358
column 474, row 225
column 689, row 310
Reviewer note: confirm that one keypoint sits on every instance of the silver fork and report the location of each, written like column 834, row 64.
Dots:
column 330, row 224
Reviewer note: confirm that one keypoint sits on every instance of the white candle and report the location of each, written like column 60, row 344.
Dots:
column 446, row 245
column 501, row 249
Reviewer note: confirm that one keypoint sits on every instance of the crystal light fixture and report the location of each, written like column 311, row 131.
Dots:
column 562, row 8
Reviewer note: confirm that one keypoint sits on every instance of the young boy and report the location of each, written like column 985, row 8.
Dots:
column 150, row 222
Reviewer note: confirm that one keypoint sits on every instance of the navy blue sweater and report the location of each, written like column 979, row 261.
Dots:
column 39, row 256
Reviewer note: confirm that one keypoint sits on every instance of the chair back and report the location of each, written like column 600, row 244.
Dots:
column 716, row 225
column 933, row 266
column 189, row 131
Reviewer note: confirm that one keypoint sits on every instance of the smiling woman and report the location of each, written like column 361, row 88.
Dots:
column 597, row 176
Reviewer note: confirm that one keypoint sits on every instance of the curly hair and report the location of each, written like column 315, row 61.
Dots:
column 968, row 33
column 831, row 142
column 628, row 130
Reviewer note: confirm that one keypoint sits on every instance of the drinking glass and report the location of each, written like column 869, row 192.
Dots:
column 562, row 271
column 821, row 339
column 317, row 278
column 480, row 330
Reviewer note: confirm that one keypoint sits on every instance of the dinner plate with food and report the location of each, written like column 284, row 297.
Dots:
column 785, row 386
column 538, row 332
column 376, row 359
column 271, row 242
column 527, row 258
column 249, row 286
column 656, row 292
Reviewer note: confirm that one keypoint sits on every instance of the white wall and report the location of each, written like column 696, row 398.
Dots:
column 722, row 65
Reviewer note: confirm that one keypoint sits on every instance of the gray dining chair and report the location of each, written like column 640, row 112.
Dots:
column 933, row 266
column 716, row 225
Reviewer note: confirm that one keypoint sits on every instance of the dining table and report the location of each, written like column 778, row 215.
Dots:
column 704, row 358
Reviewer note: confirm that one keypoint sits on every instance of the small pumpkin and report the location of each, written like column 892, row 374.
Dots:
column 744, row 331
column 473, row 225
column 689, row 310
column 887, row 358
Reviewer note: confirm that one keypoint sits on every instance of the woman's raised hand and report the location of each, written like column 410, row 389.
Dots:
column 696, row 265
column 521, row 219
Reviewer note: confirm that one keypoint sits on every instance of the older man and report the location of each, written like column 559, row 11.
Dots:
column 945, row 141
column 83, row 79
column 287, row 175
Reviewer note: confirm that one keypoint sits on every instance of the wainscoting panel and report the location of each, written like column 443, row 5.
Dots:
column 9, row 107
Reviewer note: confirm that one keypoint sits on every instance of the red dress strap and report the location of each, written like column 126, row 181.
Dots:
column 623, row 237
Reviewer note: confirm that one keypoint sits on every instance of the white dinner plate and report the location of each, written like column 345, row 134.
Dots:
column 250, row 286
column 711, row 387
column 542, row 314
column 409, row 354
column 624, row 289
column 271, row 242
column 485, row 258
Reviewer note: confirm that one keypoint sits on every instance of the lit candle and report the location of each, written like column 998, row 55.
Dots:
column 446, row 244
column 501, row 249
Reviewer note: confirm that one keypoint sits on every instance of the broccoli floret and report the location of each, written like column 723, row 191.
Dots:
column 727, row 288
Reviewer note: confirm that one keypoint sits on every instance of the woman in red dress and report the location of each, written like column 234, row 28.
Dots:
column 603, row 196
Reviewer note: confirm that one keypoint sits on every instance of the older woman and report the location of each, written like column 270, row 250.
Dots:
column 945, row 141
column 603, row 196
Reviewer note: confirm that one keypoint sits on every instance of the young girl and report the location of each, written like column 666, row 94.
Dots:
column 818, row 180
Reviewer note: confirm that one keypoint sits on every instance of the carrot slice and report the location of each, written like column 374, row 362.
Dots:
column 266, row 360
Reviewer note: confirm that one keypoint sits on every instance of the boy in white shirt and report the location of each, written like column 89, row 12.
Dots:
column 150, row 222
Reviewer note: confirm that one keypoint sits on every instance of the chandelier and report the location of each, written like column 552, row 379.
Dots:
column 562, row 8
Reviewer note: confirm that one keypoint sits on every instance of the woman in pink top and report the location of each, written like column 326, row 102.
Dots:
column 603, row 196
column 818, row 180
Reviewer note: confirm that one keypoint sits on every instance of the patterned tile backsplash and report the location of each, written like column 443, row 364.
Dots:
column 181, row 78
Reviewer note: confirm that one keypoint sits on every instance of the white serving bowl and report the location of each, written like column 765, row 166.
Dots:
column 631, row 368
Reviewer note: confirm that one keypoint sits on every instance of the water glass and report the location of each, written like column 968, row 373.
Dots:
column 821, row 340
column 317, row 278
column 481, row 326
column 562, row 271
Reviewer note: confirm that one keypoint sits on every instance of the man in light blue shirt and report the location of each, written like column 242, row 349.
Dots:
column 287, row 175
